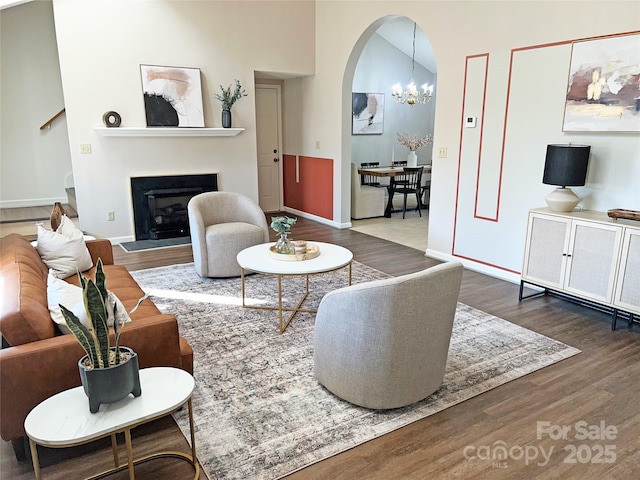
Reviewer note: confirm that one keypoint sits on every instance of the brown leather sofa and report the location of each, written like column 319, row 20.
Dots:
column 36, row 361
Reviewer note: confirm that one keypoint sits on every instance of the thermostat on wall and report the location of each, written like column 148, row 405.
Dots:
column 470, row 122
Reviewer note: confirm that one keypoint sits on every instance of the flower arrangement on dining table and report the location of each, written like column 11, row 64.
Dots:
column 413, row 142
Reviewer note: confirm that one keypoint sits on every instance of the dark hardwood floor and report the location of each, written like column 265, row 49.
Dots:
column 598, row 385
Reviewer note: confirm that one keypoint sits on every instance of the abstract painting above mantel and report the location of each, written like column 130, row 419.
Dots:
column 172, row 96
column 603, row 93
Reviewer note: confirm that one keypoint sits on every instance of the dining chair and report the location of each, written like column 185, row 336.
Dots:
column 366, row 201
column 399, row 163
column 425, row 190
column 407, row 183
column 369, row 180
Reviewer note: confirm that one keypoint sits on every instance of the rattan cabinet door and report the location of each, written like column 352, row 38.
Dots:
column 592, row 260
column 545, row 250
column 627, row 295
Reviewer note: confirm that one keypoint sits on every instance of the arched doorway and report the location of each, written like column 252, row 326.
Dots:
column 382, row 57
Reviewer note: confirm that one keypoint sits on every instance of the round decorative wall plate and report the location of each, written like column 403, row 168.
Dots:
column 112, row 119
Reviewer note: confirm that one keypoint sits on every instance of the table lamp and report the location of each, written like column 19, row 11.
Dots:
column 565, row 166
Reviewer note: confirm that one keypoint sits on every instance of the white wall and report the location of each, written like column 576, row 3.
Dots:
column 33, row 162
column 480, row 27
column 100, row 59
column 227, row 40
column 381, row 65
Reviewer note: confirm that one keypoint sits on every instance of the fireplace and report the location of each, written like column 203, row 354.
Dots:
column 160, row 203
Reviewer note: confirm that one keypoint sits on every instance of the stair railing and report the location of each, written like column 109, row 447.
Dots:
column 48, row 123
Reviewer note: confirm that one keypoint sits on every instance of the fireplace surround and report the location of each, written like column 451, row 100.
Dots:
column 160, row 203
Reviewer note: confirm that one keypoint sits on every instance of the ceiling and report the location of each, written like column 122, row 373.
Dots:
column 11, row 3
column 399, row 33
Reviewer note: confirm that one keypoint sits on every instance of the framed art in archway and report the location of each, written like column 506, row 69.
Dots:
column 367, row 113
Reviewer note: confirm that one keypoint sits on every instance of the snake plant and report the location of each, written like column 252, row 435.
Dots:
column 95, row 341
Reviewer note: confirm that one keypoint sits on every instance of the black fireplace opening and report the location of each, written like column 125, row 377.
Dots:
column 160, row 203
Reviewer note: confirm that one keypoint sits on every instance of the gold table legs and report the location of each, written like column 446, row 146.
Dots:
column 130, row 460
column 281, row 308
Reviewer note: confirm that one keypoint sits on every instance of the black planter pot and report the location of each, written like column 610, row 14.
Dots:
column 112, row 384
column 226, row 118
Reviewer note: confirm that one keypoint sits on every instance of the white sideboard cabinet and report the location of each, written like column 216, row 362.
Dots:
column 585, row 255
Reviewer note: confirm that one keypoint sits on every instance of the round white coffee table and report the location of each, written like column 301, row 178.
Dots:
column 64, row 420
column 257, row 259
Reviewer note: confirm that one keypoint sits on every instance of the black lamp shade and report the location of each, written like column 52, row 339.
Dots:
column 566, row 165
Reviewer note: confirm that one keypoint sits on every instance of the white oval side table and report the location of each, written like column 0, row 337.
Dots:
column 64, row 420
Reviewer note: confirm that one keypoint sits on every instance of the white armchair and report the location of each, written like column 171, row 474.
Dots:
column 366, row 202
column 384, row 344
column 222, row 224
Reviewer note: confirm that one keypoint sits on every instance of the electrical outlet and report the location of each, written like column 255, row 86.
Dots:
column 442, row 152
column 317, row 144
column 111, row 216
column 85, row 148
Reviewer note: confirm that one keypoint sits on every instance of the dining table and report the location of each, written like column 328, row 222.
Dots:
column 391, row 173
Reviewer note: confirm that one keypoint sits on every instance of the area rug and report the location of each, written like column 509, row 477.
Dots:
column 258, row 411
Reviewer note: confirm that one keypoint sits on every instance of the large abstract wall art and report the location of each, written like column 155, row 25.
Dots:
column 367, row 114
column 603, row 94
column 172, row 96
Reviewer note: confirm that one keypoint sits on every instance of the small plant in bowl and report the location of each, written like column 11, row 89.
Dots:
column 282, row 226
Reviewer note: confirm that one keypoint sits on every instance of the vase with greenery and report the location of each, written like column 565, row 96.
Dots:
column 282, row 226
column 228, row 98
column 108, row 373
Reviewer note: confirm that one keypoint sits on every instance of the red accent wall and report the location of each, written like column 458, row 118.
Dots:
column 292, row 192
column 313, row 193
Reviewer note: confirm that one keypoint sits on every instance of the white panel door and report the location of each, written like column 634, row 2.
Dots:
column 268, row 144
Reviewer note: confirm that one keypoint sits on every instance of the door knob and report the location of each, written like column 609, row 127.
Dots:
column 276, row 159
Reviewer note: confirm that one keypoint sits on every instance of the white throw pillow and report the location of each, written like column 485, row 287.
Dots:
column 60, row 292
column 64, row 250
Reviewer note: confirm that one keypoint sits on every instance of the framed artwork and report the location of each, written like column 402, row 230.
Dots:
column 367, row 113
column 172, row 96
column 603, row 90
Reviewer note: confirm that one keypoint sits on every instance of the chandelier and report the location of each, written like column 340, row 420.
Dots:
column 411, row 95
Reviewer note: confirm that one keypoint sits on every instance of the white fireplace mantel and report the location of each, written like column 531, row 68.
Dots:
column 167, row 132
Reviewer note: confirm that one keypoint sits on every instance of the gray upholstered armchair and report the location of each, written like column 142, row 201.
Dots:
column 384, row 344
column 222, row 224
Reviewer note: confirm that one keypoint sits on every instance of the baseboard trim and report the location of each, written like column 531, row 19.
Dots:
column 476, row 267
column 119, row 240
column 315, row 218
